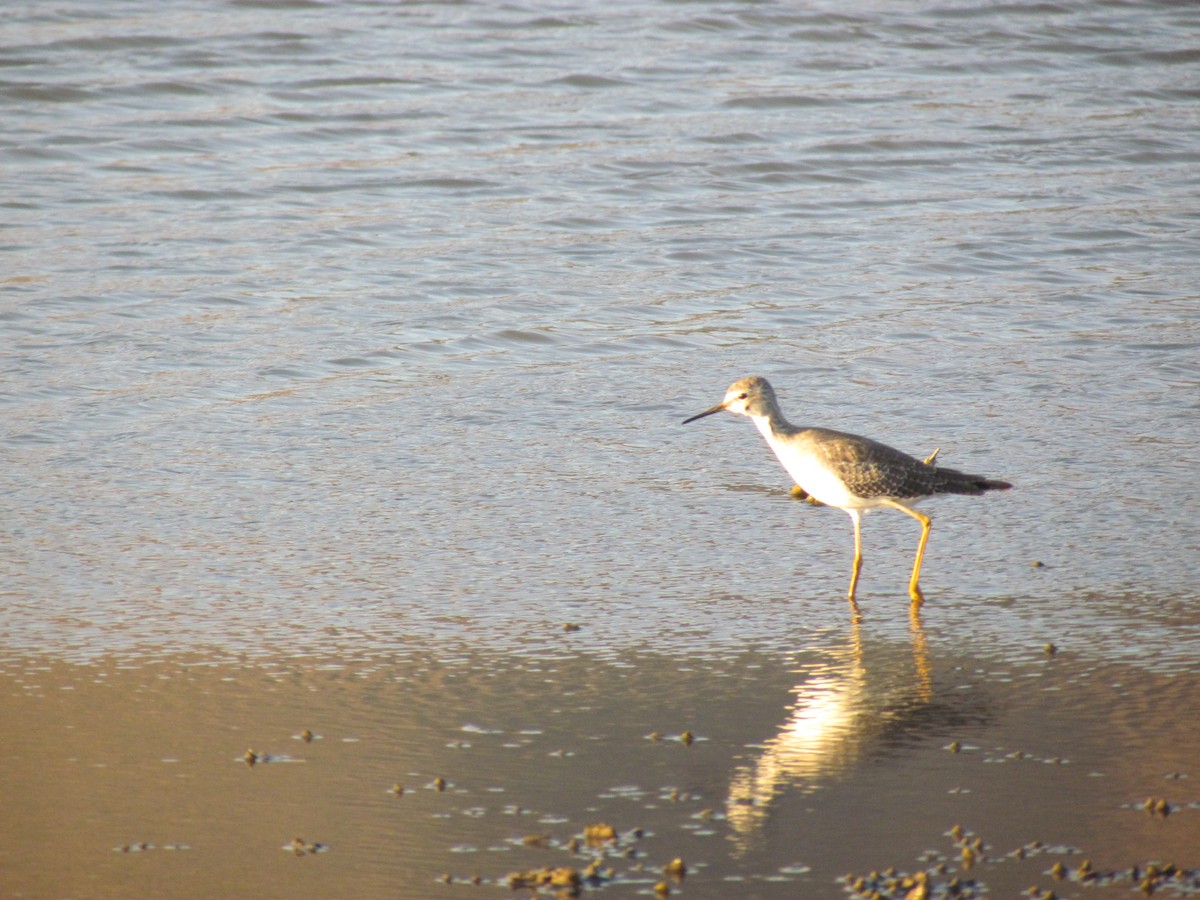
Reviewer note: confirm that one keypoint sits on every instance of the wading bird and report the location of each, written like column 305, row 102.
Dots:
column 848, row 471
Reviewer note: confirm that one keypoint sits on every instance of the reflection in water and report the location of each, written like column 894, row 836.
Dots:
column 555, row 740
column 840, row 713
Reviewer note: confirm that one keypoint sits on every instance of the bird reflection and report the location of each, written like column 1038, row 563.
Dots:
column 842, row 711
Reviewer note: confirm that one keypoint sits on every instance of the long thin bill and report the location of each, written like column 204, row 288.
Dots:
column 720, row 407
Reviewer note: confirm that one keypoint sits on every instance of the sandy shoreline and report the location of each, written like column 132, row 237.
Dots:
column 801, row 768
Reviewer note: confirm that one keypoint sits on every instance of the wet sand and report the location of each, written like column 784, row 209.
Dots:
column 440, row 772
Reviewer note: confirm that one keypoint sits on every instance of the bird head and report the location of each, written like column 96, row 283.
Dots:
column 751, row 396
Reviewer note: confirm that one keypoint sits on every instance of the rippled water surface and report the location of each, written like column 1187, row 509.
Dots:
column 343, row 354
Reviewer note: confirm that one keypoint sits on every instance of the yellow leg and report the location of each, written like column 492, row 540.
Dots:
column 914, row 589
column 855, row 517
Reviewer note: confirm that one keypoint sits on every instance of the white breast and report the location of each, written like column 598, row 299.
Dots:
column 808, row 472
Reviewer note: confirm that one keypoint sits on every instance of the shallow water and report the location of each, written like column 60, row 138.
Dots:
column 344, row 351
column 835, row 758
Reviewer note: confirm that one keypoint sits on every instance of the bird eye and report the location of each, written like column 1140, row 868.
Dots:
column 743, row 395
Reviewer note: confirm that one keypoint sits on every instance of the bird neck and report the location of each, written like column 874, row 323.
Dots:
column 771, row 426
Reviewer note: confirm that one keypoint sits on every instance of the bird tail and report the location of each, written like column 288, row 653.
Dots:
column 952, row 481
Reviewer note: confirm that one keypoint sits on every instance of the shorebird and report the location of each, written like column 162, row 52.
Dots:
column 853, row 473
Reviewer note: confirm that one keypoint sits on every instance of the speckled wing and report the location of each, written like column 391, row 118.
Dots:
column 870, row 469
